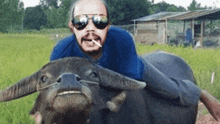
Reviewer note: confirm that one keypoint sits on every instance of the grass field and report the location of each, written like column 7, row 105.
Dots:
column 20, row 56
column 23, row 54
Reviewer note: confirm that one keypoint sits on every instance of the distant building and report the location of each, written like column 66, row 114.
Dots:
column 166, row 26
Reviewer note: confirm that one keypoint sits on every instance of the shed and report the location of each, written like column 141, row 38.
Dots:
column 156, row 28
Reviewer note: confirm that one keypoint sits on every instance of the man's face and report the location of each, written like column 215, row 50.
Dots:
column 90, row 32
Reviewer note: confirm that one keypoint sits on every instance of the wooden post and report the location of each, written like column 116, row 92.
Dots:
column 201, row 37
column 192, row 27
column 184, row 25
column 134, row 28
column 166, row 33
column 204, row 28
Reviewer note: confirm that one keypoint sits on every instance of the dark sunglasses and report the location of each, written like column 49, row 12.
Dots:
column 81, row 21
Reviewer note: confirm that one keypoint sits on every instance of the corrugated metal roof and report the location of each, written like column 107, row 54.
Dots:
column 195, row 15
column 157, row 16
column 179, row 15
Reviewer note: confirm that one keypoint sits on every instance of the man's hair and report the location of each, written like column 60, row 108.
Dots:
column 72, row 7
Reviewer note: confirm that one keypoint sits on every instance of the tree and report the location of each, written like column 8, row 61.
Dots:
column 194, row 6
column 173, row 8
column 56, row 18
column 3, row 16
column 11, row 14
column 57, row 15
column 34, row 18
column 64, row 9
column 163, row 6
column 49, row 3
column 123, row 11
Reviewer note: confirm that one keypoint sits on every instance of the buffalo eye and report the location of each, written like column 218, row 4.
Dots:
column 78, row 78
column 44, row 78
column 93, row 74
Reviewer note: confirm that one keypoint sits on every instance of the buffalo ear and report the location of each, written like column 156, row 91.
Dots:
column 115, row 80
column 37, row 117
column 22, row 88
column 115, row 103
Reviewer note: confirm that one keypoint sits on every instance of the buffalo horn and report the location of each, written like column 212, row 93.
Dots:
column 22, row 88
column 118, row 81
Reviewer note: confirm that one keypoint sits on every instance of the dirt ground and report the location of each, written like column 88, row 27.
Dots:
column 204, row 119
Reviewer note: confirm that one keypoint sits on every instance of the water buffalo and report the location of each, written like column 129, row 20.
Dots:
column 76, row 91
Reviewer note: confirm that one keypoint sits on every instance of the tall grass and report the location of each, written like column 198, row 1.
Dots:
column 23, row 54
column 20, row 56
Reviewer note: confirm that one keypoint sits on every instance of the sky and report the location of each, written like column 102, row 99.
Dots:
column 184, row 3
column 30, row 3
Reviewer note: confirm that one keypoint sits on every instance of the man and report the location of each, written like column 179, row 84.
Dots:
column 114, row 49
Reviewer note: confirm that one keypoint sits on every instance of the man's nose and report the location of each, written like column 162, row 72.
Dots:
column 90, row 26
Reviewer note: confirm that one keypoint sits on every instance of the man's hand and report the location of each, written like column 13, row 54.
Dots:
column 211, row 103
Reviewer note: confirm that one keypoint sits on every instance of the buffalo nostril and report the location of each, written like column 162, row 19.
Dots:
column 59, row 80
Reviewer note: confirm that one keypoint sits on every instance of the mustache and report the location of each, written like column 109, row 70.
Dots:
column 91, row 35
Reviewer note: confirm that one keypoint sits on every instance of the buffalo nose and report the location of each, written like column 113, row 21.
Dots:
column 69, row 81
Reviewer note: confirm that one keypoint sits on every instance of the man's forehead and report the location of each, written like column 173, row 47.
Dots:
column 90, row 7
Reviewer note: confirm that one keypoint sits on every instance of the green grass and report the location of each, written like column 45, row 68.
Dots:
column 42, row 31
column 20, row 56
column 205, row 112
column 23, row 54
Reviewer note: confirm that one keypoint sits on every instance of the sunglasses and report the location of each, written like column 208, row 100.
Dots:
column 81, row 21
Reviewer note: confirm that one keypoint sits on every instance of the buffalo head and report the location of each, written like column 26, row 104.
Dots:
column 68, row 89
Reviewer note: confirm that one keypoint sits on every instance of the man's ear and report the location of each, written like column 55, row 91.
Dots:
column 108, row 27
column 71, row 27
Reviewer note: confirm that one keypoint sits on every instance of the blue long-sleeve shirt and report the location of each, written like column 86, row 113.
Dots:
column 119, row 54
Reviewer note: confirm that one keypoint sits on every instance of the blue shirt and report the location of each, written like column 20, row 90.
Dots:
column 119, row 53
